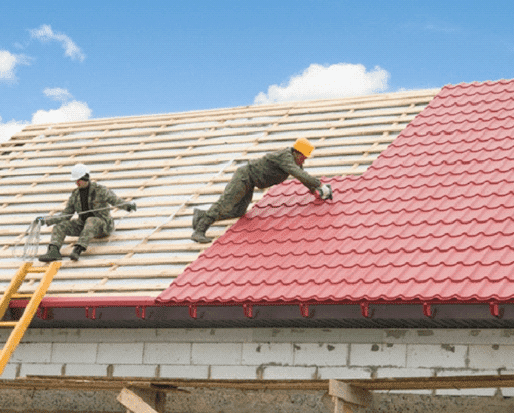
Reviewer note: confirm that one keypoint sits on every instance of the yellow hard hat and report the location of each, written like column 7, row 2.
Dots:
column 303, row 146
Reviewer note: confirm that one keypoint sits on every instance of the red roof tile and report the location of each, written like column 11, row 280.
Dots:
column 431, row 219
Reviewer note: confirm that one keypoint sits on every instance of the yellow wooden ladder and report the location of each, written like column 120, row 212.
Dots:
column 21, row 325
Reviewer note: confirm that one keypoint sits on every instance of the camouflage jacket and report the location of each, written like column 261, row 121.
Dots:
column 99, row 197
column 275, row 167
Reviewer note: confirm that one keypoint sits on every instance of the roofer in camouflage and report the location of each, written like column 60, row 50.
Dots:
column 267, row 171
column 90, row 201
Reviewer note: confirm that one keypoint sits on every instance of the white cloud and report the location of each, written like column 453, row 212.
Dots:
column 10, row 128
column 70, row 112
column 8, row 63
column 57, row 93
column 326, row 82
column 46, row 34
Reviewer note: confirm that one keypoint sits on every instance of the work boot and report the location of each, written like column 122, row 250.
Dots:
column 52, row 254
column 199, row 235
column 77, row 250
column 198, row 214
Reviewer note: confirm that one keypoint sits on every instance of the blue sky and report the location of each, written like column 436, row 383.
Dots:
column 76, row 60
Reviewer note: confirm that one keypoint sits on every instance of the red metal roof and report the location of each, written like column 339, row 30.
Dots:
column 432, row 219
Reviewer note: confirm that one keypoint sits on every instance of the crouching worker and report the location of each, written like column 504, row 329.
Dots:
column 267, row 171
column 90, row 201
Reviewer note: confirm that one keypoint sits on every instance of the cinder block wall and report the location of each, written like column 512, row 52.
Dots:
column 265, row 354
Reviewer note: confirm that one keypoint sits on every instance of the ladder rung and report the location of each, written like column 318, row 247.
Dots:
column 22, row 295
column 37, row 269
column 5, row 324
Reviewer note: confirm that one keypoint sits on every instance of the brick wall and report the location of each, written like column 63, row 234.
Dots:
column 265, row 353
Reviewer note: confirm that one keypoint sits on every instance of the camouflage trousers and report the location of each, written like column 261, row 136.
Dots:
column 236, row 197
column 93, row 227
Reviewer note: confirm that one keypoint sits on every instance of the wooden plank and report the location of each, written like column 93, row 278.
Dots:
column 153, row 141
column 340, row 406
column 113, row 168
column 190, row 247
column 349, row 393
column 156, row 142
column 121, row 262
column 451, row 382
column 167, row 179
column 198, row 148
column 61, row 193
column 67, row 188
column 382, row 100
column 164, row 384
column 412, row 383
column 111, row 275
column 138, row 401
column 310, row 134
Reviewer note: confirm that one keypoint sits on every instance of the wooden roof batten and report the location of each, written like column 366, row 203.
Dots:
column 169, row 164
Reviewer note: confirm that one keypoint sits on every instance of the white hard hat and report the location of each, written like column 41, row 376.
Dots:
column 78, row 171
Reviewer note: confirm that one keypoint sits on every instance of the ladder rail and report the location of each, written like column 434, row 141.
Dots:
column 28, row 314
column 13, row 287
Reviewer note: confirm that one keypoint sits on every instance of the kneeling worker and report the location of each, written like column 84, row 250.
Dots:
column 90, row 200
column 267, row 171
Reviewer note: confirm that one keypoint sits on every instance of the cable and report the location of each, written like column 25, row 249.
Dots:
column 33, row 233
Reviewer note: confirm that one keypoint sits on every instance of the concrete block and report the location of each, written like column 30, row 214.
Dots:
column 220, row 354
column 134, row 370
column 387, row 372
column 255, row 354
column 404, row 372
column 96, row 370
column 40, row 369
column 288, row 373
column 391, row 355
column 185, row 372
column 114, row 335
column 316, row 335
column 296, row 335
column 467, row 336
column 167, row 353
column 234, row 372
column 320, row 354
column 120, row 353
column 9, row 372
column 442, row 356
column 32, row 353
column 466, row 392
column 343, row 373
column 74, row 353
column 453, row 336
column 204, row 335
column 50, row 335
column 491, row 356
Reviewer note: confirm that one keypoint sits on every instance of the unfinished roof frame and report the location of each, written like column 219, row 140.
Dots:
column 169, row 164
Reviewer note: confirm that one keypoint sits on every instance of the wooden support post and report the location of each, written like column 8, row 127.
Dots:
column 346, row 396
column 138, row 400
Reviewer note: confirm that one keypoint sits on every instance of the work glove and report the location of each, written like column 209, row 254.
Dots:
column 40, row 219
column 131, row 207
column 325, row 191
